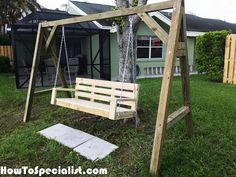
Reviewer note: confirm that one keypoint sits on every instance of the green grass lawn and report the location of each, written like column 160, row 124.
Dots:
column 210, row 152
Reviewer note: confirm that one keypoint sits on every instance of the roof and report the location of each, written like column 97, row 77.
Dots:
column 91, row 8
column 199, row 24
column 194, row 23
column 48, row 15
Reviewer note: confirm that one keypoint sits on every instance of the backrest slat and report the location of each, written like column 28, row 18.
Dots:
column 102, row 83
column 100, row 90
column 108, row 91
column 93, row 97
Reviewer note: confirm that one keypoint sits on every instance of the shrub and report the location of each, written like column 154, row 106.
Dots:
column 4, row 64
column 5, row 39
column 209, row 54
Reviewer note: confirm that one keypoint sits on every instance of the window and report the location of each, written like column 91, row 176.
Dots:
column 149, row 47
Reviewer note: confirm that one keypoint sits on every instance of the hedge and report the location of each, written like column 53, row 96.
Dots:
column 5, row 66
column 5, row 39
column 209, row 53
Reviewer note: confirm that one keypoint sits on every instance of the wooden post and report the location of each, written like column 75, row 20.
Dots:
column 54, row 96
column 33, row 75
column 184, row 65
column 163, row 108
column 227, row 57
column 230, row 60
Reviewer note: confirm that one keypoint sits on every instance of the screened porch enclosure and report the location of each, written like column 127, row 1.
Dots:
column 88, row 51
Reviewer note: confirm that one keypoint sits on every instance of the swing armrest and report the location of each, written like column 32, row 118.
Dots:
column 124, row 99
column 55, row 90
column 65, row 89
column 114, row 101
column 133, row 107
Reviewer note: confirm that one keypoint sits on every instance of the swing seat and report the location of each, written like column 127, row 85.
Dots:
column 113, row 100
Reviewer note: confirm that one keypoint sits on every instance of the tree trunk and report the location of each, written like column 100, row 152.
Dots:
column 127, row 66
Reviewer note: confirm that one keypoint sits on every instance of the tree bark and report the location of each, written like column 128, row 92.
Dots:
column 127, row 67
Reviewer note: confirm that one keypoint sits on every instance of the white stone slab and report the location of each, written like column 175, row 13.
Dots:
column 73, row 138
column 66, row 135
column 91, row 147
column 55, row 131
column 95, row 149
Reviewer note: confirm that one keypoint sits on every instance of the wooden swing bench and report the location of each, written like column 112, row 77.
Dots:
column 113, row 100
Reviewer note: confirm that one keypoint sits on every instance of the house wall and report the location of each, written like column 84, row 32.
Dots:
column 114, row 57
column 191, row 46
column 148, row 67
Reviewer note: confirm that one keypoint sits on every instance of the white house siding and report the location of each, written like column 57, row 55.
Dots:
column 149, row 67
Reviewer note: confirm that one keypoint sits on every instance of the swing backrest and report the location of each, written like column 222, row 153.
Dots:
column 104, row 91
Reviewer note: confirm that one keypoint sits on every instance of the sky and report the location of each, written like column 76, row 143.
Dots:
column 216, row 9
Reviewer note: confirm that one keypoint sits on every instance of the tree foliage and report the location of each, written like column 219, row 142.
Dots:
column 209, row 54
column 5, row 39
column 13, row 10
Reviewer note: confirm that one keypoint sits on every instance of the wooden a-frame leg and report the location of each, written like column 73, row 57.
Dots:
column 33, row 75
column 163, row 108
column 186, row 94
column 184, row 65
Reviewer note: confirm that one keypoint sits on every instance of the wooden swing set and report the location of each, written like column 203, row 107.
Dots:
column 176, row 42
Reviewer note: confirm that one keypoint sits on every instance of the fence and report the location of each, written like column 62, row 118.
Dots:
column 6, row 50
column 230, row 60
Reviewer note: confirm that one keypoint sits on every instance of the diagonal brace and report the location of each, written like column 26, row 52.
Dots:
column 155, row 27
column 51, row 38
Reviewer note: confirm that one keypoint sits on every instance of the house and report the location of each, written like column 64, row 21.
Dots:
column 150, row 63
column 92, row 46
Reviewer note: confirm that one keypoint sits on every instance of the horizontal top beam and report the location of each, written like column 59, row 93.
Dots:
column 111, row 14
